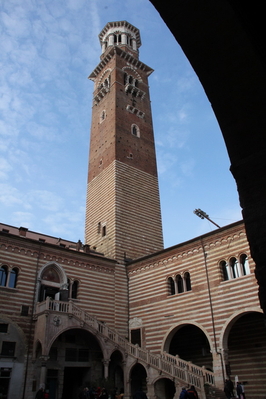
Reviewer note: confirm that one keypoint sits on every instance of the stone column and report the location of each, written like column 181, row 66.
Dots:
column 43, row 370
column 134, row 44
column 111, row 40
column 150, row 389
column 105, row 365
column 218, row 368
column 124, row 38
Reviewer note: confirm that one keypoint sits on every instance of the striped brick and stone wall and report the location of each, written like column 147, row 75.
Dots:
column 212, row 306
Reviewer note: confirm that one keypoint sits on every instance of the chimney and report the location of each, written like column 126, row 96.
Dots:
column 23, row 231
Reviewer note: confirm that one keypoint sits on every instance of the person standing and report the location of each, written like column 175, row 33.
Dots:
column 192, row 393
column 183, row 394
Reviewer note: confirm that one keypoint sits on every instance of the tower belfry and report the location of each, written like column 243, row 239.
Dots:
column 123, row 215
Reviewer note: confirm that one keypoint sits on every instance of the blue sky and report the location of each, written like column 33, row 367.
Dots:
column 48, row 49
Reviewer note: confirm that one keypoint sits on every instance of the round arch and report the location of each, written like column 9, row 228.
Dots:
column 164, row 388
column 223, row 343
column 190, row 342
column 172, row 330
column 89, row 330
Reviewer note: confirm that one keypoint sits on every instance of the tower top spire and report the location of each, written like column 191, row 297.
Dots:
column 120, row 33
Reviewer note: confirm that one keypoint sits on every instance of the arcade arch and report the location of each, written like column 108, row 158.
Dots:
column 116, row 373
column 75, row 360
column 138, row 377
column 164, row 388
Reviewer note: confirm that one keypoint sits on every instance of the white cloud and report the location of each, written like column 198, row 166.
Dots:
column 45, row 199
column 9, row 195
column 25, row 219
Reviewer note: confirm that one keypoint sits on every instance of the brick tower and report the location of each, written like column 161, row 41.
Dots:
column 123, row 216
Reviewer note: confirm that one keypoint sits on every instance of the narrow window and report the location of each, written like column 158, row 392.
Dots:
column 224, row 270
column 24, row 310
column 244, row 265
column 8, row 348
column 3, row 328
column 135, row 130
column 179, row 282
column 103, row 231
column 74, row 293
column 136, row 336
column 233, row 266
column 13, row 275
column 99, row 228
column 130, row 79
column 125, row 78
column 171, row 286
column 103, row 116
column 3, row 276
column 187, row 282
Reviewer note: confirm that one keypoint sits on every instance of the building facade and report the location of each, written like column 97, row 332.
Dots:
column 121, row 311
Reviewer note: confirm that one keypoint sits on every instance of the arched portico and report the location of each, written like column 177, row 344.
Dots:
column 191, row 342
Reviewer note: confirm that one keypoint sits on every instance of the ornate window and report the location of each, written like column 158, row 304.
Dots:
column 244, row 265
column 179, row 283
column 3, row 276
column 8, row 277
column 233, row 267
column 13, row 275
column 224, row 270
column 187, row 283
column 171, row 286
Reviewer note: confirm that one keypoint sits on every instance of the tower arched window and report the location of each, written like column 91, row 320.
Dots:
column 180, row 285
column 135, row 130
column 244, row 265
column 171, row 286
column 117, row 38
column 103, row 116
column 12, row 278
column 107, row 82
column 233, row 267
column 187, row 283
column 3, row 276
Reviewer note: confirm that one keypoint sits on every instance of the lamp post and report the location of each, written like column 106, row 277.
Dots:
column 203, row 215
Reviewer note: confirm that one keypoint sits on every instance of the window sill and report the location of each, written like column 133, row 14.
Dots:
column 8, row 288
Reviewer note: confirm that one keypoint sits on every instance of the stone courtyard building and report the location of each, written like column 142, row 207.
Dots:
column 121, row 311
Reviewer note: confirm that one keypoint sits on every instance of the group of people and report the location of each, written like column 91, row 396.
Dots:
column 94, row 393
column 189, row 393
column 229, row 389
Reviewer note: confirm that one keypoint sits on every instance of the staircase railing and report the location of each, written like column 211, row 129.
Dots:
column 171, row 365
